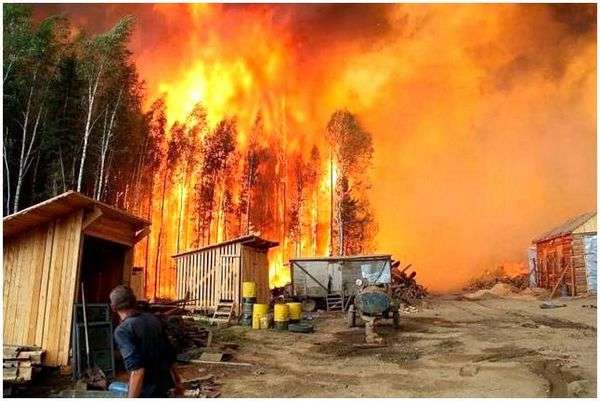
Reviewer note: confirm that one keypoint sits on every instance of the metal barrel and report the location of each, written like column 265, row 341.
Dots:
column 281, row 325
column 249, row 289
column 247, row 308
column 281, row 313
column 295, row 311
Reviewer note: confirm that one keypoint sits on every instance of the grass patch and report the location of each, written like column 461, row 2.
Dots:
column 231, row 334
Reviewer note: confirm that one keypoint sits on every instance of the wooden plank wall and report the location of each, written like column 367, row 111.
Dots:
column 578, row 248
column 202, row 276
column 255, row 267
column 40, row 276
column 554, row 255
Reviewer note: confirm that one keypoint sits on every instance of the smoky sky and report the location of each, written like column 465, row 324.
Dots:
column 482, row 116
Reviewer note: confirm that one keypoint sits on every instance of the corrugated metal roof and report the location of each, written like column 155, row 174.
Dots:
column 340, row 258
column 566, row 228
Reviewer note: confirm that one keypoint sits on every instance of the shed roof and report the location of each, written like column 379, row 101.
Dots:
column 568, row 227
column 62, row 205
column 351, row 258
column 253, row 241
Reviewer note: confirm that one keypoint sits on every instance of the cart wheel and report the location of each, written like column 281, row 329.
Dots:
column 351, row 317
column 396, row 319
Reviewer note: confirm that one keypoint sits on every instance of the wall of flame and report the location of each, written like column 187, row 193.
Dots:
column 483, row 116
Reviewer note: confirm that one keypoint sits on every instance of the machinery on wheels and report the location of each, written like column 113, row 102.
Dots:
column 372, row 302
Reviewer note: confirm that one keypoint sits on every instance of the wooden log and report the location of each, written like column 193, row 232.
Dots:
column 221, row 363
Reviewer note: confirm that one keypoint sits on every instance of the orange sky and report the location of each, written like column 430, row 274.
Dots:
column 483, row 116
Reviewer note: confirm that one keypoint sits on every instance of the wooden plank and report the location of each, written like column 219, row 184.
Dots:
column 38, row 267
column 141, row 234
column 201, row 288
column 49, row 340
column 91, row 217
column 70, row 286
column 43, row 300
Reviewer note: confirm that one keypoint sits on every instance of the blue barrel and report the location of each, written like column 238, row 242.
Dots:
column 372, row 302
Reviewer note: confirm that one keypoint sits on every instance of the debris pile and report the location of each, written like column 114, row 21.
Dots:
column 404, row 287
column 186, row 334
column 197, row 383
column 20, row 363
column 489, row 278
column 503, row 290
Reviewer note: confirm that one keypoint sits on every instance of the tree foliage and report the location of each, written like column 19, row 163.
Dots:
column 72, row 110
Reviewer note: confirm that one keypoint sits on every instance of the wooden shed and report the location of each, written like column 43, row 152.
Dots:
column 214, row 272
column 49, row 249
column 567, row 254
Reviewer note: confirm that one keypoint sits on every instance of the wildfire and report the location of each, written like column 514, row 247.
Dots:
column 483, row 122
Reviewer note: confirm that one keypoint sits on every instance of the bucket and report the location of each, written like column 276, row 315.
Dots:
column 260, row 309
column 247, row 308
column 281, row 313
column 295, row 309
column 265, row 322
column 248, row 289
column 246, row 320
column 256, row 321
column 281, row 325
column 249, row 300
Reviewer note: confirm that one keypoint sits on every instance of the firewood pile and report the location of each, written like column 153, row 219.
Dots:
column 404, row 287
column 20, row 363
column 186, row 334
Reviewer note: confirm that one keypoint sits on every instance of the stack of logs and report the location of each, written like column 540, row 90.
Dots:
column 404, row 287
column 20, row 362
column 186, row 334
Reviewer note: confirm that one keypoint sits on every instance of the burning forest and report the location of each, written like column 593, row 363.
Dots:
column 332, row 129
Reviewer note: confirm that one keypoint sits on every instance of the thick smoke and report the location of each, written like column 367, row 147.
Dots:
column 483, row 116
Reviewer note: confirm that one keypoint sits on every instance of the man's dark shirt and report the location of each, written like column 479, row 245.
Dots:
column 144, row 344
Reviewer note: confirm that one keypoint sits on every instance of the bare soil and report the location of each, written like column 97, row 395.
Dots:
column 450, row 348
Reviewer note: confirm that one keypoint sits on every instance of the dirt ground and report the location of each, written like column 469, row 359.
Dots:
column 449, row 348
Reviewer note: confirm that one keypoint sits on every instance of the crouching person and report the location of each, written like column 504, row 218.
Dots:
column 147, row 353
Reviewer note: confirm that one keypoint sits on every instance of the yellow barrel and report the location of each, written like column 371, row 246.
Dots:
column 248, row 289
column 281, row 313
column 260, row 309
column 264, row 322
column 295, row 309
column 256, row 321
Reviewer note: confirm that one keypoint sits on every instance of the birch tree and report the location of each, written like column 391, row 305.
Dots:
column 105, row 142
column 99, row 55
column 31, row 54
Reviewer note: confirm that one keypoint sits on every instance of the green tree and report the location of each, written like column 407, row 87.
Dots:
column 31, row 55
column 100, row 56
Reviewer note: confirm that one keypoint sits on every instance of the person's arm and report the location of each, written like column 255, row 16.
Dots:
column 176, row 380
column 132, row 360
column 136, row 380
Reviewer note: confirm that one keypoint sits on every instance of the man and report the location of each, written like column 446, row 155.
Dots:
column 148, row 356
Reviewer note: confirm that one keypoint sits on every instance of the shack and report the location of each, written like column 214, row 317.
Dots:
column 49, row 250
column 215, row 272
column 333, row 278
column 567, row 255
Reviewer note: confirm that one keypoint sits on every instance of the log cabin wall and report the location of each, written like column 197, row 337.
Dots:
column 40, row 275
